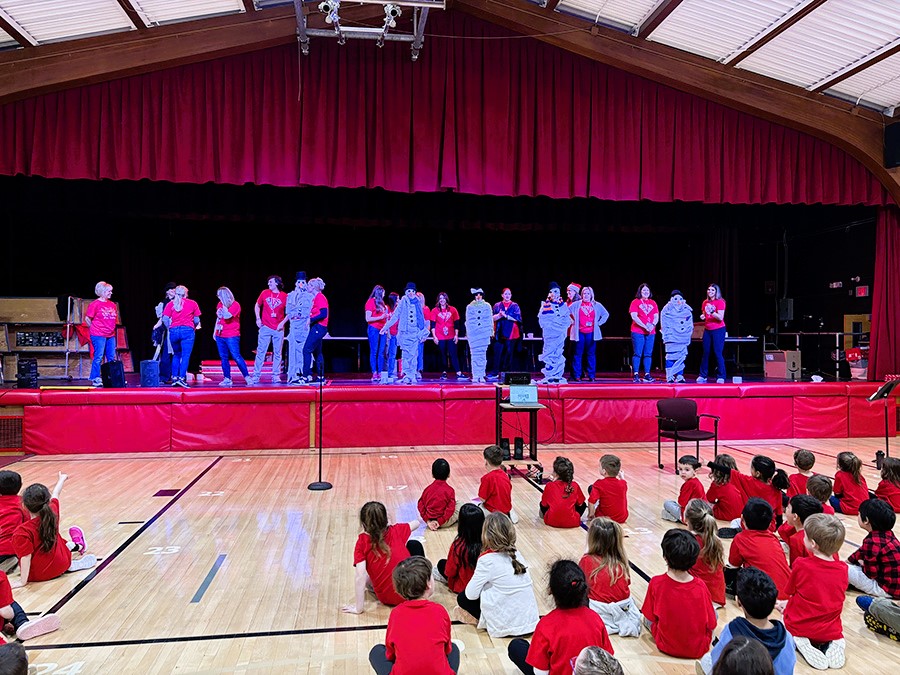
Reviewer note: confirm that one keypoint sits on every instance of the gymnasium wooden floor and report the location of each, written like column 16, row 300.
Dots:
column 237, row 568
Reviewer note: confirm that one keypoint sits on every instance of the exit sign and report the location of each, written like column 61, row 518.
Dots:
column 862, row 291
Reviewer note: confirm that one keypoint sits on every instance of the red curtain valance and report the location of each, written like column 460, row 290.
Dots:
column 499, row 117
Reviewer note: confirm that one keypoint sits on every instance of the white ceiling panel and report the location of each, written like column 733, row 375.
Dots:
column 879, row 84
column 828, row 40
column 626, row 14
column 51, row 20
column 717, row 29
column 165, row 11
column 6, row 40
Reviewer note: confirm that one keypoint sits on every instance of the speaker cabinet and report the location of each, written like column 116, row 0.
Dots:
column 150, row 373
column 892, row 145
column 113, row 375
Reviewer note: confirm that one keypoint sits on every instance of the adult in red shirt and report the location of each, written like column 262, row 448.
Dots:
column 182, row 318
column 562, row 503
column 227, row 334
column 270, row 311
column 644, row 317
column 445, row 331
column 379, row 548
column 507, row 318
column 101, row 318
column 376, row 316
column 713, row 316
column 318, row 328
column 561, row 635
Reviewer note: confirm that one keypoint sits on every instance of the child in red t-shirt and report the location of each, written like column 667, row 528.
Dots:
column 723, row 494
column 711, row 562
column 606, row 569
column 458, row 567
column 889, row 487
column 816, row 591
column 850, row 489
column 756, row 546
column 692, row 488
column 819, row 486
column 495, row 490
column 804, row 460
column 562, row 503
column 379, row 548
column 12, row 514
column 766, row 482
column 437, row 505
column 12, row 612
column 677, row 608
column 608, row 496
column 42, row 551
column 561, row 635
column 799, row 508
column 418, row 631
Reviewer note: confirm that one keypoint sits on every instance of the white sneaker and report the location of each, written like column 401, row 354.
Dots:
column 813, row 655
column 85, row 562
column 720, row 380
column 227, row 382
column 39, row 626
column 835, row 653
column 97, row 382
column 513, row 516
column 701, row 380
column 437, row 576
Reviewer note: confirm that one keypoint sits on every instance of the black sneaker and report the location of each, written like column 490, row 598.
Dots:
column 728, row 532
column 444, row 375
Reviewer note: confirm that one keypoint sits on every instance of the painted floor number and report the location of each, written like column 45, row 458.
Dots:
column 162, row 550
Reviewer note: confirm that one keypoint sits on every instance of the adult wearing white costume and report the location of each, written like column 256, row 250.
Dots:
column 479, row 331
column 299, row 304
column 412, row 330
column 677, row 322
column 555, row 320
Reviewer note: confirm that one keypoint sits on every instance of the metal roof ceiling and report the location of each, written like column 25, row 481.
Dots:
column 845, row 48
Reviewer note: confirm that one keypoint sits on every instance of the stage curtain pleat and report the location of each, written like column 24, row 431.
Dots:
column 480, row 116
column 884, row 357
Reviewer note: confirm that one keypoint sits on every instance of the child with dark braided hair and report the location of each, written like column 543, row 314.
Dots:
column 563, row 502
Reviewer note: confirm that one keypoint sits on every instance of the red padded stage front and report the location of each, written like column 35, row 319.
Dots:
column 173, row 420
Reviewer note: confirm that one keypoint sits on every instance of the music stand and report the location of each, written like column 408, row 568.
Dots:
column 884, row 392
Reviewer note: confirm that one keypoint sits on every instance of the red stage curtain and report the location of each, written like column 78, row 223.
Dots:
column 499, row 117
column 884, row 357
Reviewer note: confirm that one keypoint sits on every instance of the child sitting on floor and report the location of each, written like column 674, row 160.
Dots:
column 22, row 627
column 726, row 499
column 562, row 503
column 379, row 549
column 561, row 635
column 804, row 460
column 692, row 488
column 437, row 505
column 799, row 508
column 711, row 561
column 764, row 481
column 418, row 630
column 874, row 568
column 889, row 487
column 459, row 566
column 819, row 486
column 42, row 551
column 756, row 596
column 756, row 546
column 881, row 616
column 850, row 489
column 605, row 567
column 608, row 496
column 596, row 661
column 677, row 608
column 12, row 514
column 495, row 490
column 816, row 591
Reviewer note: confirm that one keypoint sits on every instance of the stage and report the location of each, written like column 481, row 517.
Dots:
column 357, row 414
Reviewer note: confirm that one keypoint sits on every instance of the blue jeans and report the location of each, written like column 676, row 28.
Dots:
column 585, row 343
column 392, row 356
column 182, row 339
column 421, row 357
column 713, row 340
column 643, row 351
column 103, row 346
column 377, row 343
column 165, row 360
column 231, row 346
column 835, row 503
column 313, row 346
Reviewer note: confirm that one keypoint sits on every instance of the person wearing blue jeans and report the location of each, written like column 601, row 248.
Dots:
column 103, row 347
column 230, row 348
column 713, row 315
column 227, row 333
column 182, row 317
column 644, row 317
column 101, row 318
column 182, row 339
column 376, row 315
column 588, row 315
column 642, row 343
column 318, row 328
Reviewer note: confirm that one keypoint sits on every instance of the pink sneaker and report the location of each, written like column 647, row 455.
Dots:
column 77, row 537
column 39, row 626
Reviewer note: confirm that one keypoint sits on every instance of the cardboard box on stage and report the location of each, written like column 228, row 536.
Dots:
column 782, row 365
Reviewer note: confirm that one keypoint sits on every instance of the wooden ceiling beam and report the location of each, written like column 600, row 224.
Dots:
column 840, row 76
column 853, row 129
column 133, row 15
column 249, row 7
column 19, row 34
column 660, row 13
column 787, row 21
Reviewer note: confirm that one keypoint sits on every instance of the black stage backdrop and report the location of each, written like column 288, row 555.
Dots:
column 61, row 237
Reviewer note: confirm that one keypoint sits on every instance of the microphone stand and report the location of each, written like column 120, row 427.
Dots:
column 320, row 484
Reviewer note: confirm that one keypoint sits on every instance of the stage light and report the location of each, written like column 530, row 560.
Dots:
column 330, row 9
column 391, row 14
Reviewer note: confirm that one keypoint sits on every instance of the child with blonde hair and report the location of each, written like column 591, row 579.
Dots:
column 605, row 566
column 710, row 565
column 499, row 597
